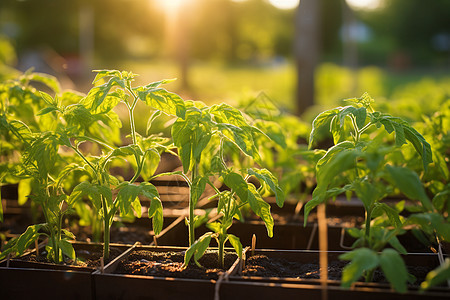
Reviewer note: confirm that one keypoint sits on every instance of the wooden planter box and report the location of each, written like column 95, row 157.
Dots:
column 21, row 279
column 255, row 287
column 109, row 285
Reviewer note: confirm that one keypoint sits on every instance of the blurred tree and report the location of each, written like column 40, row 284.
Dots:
column 307, row 51
column 410, row 27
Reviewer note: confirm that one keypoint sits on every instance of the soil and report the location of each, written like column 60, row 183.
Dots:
column 85, row 258
column 127, row 234
column 169, row 264
column 261, row 265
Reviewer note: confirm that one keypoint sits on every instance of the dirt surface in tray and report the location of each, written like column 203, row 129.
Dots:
column 85, row 258
column 169, row 264
column 129, row 234
column 261, row 265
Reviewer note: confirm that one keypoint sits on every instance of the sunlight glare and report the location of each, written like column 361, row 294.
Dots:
column 285, row 4
column 170, row 6
column 364, row 4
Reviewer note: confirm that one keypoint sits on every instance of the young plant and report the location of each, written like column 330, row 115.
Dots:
column 363, row 154
column 144, row 151
column 209, row 128
column 39, row 162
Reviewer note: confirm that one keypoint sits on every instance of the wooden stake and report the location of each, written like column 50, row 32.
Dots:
column 155, row 241
column 36, row 246
column 102, row 265
column 323, row 246
column 253, row 244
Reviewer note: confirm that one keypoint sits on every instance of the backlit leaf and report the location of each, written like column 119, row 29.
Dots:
column 28, row 237
column 160, row 99
column 236, row 243
column 394, row 269
column 362, row 259
column 260, row 208
column 198, row 248
column 322, row 119
column 409, row 184
column 268, row 178
column 67, row 249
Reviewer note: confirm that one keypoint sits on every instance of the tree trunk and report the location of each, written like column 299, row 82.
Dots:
column 307, row 51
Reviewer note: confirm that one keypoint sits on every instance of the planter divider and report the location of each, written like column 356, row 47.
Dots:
column 290, row 288
column 122, row 286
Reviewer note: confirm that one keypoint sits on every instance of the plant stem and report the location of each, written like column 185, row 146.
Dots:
column 222, row 250
column 105, row 230
column 367, row 231
column 192, row 207
column 132, row 125
column 83, row 157
column 369, row 275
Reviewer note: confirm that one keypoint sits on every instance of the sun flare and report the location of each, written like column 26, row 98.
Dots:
column 285, row 4
column 170, row 6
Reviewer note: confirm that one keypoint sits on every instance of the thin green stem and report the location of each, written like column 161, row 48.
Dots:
column 222, row 240
column 132, row 125
column 84, row 158
column 192, row 207
column 105, row 229
column 367, row 229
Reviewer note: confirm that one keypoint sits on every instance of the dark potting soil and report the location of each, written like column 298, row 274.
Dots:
column 124, row 234
column 85, row 258
column 169, row 264
column 261, row 265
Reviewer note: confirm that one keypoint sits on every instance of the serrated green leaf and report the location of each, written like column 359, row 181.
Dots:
column 160, row 99
column 126, row 196
column 268, row 178
column 48, row 99
column 214, row 226
column 395, row 243
column 236, row 243
column 442, row 199
column 98, row 94
column 394, row 269
column 405, row 132
column 151, row 162
column 151, row 119
column 362, row 259
column 24, row 190
column 338, row 159
column 260, row 208
column 197, row 189
column 322, row 119
column 242, row 137
column 46, row 110
column 46, row 79
column 67, row 249
column 337, row 131
column 273, row 130
column 128, row 150
column 27, row 238
column 237, row 184
column 68, row 234
column 409, row 184
column 93, row 192
column 20, row 130
column 390, row 212
column 198, row 248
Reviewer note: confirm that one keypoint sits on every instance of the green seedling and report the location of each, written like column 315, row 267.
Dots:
column 361, row 161
column 210, row 128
